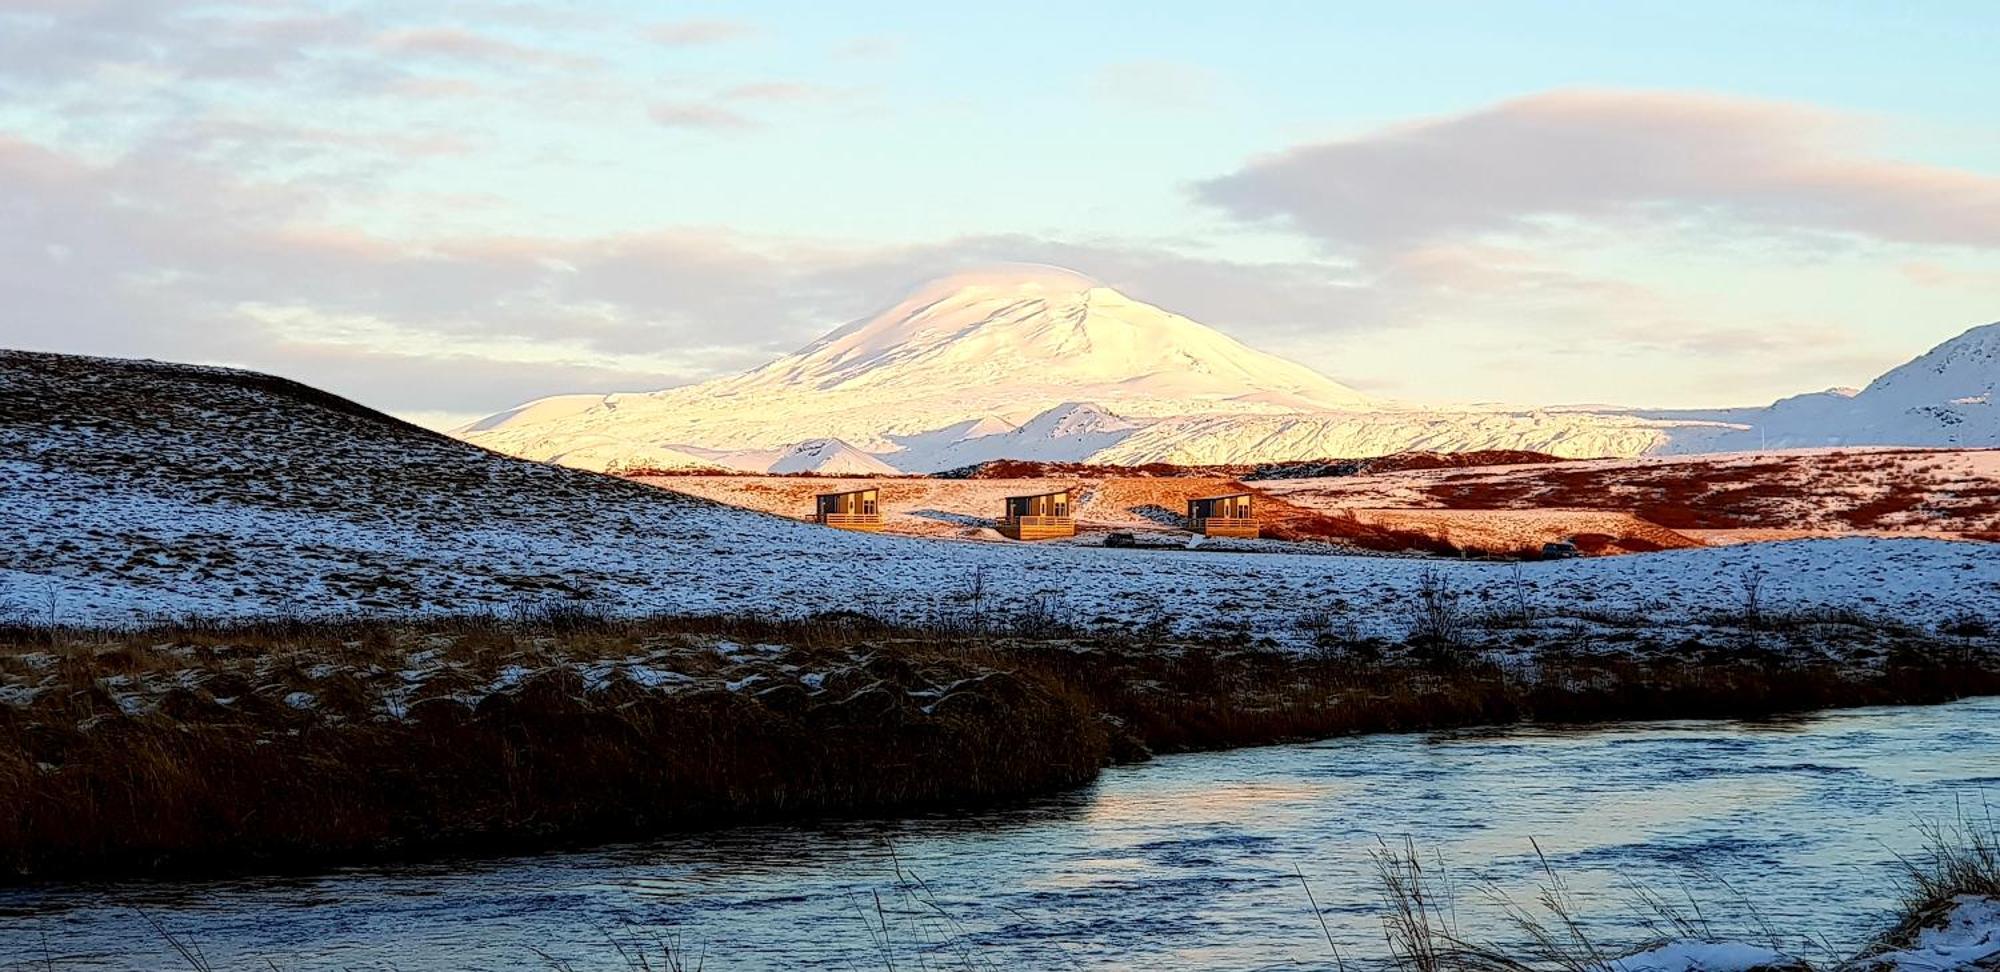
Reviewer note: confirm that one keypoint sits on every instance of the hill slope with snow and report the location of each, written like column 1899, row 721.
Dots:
column 990, row 349
column 1948, row 396
column 831, row 457
column 1014, row 363
column 139, row 490
column 1037, row 363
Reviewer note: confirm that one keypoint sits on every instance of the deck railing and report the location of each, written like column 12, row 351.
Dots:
column 848, row 519
column 1226, row 526
column 1039, row 521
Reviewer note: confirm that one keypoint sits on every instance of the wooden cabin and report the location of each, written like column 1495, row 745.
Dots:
column 1227, row 515
column 1038, row 516
column 853, row 509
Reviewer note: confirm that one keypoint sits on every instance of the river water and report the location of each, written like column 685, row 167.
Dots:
column 1188, row 862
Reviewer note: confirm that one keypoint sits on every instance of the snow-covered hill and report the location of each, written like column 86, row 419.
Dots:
column 1218, row 439
column 984, row 350
column 830, row 457
column 135, row 490
column 1044, row 364
column 1030, row 363
column 1064, row 433
column 1948, row 396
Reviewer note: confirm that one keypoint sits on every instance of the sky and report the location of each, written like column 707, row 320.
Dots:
column 446, row 209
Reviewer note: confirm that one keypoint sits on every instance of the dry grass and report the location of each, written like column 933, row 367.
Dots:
column 1892, row 489
column 189, row 748
column 1551, row 933
column 1958, row 859
column 178, row 749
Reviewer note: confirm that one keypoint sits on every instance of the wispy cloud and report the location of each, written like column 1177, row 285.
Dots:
column 462, row 44
column 1616, row 158
column 780, row 91
column 1158, row 85
column 251, row 274
column 696, row 33
column 874, row 48
column 699, row 115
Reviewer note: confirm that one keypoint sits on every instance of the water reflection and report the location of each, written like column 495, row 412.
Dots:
column 1192, row 860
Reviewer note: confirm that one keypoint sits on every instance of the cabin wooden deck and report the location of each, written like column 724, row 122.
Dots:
column 850, row 509
column 869, row 522
column 1227, row 526
column 1037, row 527
column 1038, row 516
column 1227, row 515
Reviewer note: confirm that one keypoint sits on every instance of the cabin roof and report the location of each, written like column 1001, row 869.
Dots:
column 1218, row 496
column 1053, row 492
column 848, row 492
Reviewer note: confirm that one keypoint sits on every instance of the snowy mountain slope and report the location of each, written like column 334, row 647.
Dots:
column 1065, row 433
column 135, row 490
column 1948, row 396
column 940, row 379
column 829, row 456
column 1216, row 440
column 992, row 347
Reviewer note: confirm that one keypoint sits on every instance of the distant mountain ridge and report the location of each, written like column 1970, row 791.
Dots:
column 991, row 350
column 1947, row 396
column 1037, row 363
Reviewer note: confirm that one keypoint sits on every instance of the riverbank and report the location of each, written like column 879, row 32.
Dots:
column 1947, row 918
column 295, row 745
column 1187, row 861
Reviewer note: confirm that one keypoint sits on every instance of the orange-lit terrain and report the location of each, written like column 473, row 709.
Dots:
column 1714, row 499
column 1421, row 504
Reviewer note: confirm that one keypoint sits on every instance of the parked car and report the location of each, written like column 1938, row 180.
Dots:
column 1560, row 550
column 1120, row 539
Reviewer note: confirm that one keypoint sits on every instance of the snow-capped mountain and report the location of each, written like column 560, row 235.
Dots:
column 830, row 457
column 989, row 350
column 1065, row 433
column 1948, row 396
column 1040, row 363
column 1212, row 439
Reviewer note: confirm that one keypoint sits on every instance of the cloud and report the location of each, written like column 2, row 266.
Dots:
column 1933, row 275
column 696, row 33
column 1612, row 158
column 779, row 91
column 874, row 48
column 719, row 111
column 460, row 44
column 188, row 262
column 1157, row 85
column 699, row 115
column 56, row 43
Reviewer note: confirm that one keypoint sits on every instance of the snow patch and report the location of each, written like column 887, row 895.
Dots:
column 1968, row 939
column 1690, row 955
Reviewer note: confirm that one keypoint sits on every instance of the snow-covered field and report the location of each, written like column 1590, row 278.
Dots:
column 138, row 491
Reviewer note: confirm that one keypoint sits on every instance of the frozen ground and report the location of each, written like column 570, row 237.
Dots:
column 139, row 491
column 1967, row 938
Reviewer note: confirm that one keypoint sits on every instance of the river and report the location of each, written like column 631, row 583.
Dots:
column 1188, row 862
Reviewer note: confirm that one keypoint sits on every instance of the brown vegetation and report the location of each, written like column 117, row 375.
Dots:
column 1400, row 462
column 1296, row 524
column 406, row 745
column 195, row 748
column 1874, row 490
column 1297, row 469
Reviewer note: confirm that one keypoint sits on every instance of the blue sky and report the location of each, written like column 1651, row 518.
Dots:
column 445, row 210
